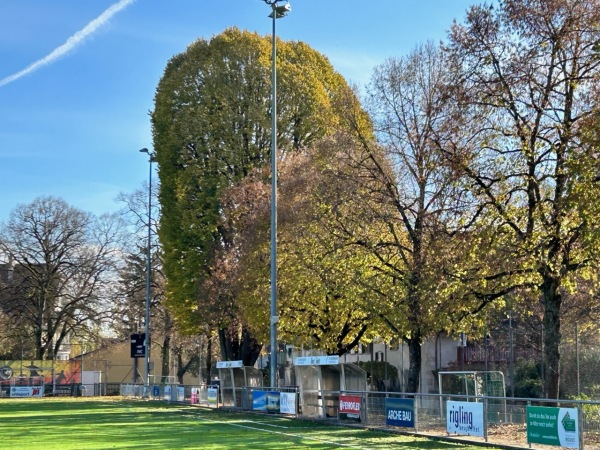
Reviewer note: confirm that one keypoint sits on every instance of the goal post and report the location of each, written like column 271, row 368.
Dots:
column 159, row 379
column 474, row 385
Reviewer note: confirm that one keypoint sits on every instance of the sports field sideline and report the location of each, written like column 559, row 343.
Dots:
column 114, row 422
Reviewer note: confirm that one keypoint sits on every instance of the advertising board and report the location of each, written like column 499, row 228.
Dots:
column 212, row 395
column 465, row 418
column 180, row 393
column 267, row 401
column 553, row 426
column 229, row 364
column 400, row 412
column 350, row 406
column 273, row 402
column 287, row 403
column 26, row 391
column 259, row 401
column 316, row 360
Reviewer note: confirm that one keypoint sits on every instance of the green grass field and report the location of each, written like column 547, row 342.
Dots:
column 104, row 423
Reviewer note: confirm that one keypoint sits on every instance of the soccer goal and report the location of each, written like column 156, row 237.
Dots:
column 474, row 385
column 159, row 379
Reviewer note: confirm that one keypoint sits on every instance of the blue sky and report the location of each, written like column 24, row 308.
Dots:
column 78, row 77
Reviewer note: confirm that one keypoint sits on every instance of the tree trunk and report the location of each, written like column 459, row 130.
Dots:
column 182, row 369
column 414, row 370
column 225, row 345
column 250, row 348
column 38, row 332
column 414, row 300
column 552, row 301
column 165, row 358
column 234, row 348
column 208, row 359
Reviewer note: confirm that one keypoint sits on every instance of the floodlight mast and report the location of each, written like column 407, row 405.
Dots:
column 277, row 12
column 151, row 159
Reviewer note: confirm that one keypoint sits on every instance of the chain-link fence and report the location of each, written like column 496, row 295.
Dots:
column 517, row 350
column 503, row 420
column 507, row 421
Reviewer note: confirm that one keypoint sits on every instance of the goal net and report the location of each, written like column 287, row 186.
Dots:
column 159, row 379
column 474, row 385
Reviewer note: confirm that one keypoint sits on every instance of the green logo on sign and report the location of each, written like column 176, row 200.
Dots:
column 568, row 423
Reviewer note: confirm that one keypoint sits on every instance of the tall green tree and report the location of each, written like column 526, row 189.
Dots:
column 211, row 126
column 526, row 72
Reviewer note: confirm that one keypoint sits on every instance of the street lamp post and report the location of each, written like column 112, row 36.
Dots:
column 151, row 159
column 278, row 11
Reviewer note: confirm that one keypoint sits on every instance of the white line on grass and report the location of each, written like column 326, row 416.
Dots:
column 300, row 436
column 265, row 424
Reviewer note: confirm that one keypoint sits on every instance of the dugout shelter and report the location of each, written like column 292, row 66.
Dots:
column 320, row 380
column 234, row 376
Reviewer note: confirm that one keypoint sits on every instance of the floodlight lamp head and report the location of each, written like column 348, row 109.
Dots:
column 280, row 11
column 151, row 154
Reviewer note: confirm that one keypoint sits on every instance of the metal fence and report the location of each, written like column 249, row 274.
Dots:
column 56, row 390
column 504, row 418
column 247, row 395
column 205, row 395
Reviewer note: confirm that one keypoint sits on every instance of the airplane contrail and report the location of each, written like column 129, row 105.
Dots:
column 71, row 43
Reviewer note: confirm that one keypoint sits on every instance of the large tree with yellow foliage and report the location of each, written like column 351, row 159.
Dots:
column 323, row 302
column 211, row 126
column 525, row 75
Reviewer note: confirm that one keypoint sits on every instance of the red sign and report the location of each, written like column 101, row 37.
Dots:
column 349, row 404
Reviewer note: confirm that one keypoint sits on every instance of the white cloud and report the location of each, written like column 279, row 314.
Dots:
column 72, row 42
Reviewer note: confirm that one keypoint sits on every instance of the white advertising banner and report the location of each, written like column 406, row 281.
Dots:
column 26, row 391
column 229, row 364
column 316, row 360
column 212, row 395
column 287, row 403
column 464, row 418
